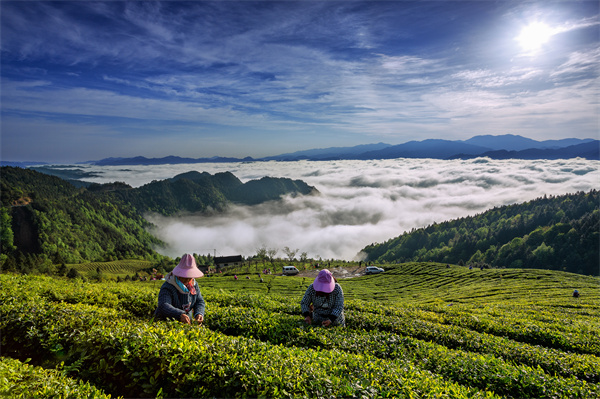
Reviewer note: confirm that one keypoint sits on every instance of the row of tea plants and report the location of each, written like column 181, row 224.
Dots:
column 254, row 345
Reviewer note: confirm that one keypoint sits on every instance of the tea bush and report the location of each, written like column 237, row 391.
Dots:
column 255, row 344
column 20, row 380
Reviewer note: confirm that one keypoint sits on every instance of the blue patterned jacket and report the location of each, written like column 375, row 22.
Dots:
column 329, row 306
column 173, row 302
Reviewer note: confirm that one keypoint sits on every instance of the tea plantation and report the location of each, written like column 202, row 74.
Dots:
column 418, row 330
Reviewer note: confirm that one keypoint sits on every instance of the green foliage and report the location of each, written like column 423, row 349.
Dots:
column 114, row 268
column 73, row 273
column 6, row 235
column 58, row 223
column 22, row 380
column 268, row 189
column 20, row 186
column 497, row 341
column 558, row 233
column 428, row 283
column 142, row 359
column 47, row 219
column 200, row 192
column 169, row 197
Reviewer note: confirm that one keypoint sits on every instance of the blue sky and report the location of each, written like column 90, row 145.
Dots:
column 89, row 80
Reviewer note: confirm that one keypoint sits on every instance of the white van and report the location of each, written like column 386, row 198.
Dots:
column 290, row 270
column 373, row 270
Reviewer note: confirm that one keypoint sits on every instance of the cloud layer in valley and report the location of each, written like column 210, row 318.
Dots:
column 360, row 202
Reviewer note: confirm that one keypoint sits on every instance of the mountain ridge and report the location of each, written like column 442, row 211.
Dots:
column 590, row 150
column 509, row 147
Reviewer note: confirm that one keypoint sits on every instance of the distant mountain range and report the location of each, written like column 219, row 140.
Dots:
column 506, row 146
column 585, row 150
column 496, row 147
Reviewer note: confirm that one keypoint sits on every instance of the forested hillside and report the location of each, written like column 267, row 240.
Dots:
column 46, row 220
column 168, row 197
column 556, row 232
column 199, row 192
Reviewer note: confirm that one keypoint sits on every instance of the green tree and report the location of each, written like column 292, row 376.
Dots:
column 303, row 257
column 62, row 269
column 261, row 253
column 271, row 252
column 6, row 235
column 290, row 253
column 72, row 273
column 543, row 252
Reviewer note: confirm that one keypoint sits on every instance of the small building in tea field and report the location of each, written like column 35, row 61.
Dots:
column 228, row 261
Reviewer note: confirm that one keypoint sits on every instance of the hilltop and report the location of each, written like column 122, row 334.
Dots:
column 200, row 192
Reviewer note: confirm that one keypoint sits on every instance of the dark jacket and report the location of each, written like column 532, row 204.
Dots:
column 173, row 301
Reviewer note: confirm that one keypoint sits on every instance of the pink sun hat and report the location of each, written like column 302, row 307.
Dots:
column 187, row 268
column 324, row 281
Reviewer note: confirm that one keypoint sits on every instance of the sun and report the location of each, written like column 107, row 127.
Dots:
column 534, row 36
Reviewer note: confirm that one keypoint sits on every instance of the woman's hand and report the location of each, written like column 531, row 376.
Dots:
column 326, row 323
column 199, row 318
column 307, row 320
column 185, row 319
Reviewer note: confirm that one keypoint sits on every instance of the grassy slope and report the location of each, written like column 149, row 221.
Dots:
column 434, row 283
column 418, row 282
column 511, row 321
column 425, row 282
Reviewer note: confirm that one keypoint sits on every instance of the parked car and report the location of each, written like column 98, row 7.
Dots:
column 373, row 270
column 290, row 270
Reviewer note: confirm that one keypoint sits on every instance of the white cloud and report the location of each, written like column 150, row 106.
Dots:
column 491, row 79
column 361, row 202
column 580, row 63
column 574, row 25
column 306, row 72
column 555, row 110
column 410, row 65
column 85, row 102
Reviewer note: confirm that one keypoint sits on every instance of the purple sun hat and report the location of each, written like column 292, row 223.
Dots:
column 324, row 281
column 187, row 268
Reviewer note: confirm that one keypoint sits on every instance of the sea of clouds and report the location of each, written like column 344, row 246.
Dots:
column 360, row 202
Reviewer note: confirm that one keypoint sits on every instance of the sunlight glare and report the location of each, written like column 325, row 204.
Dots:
column 534, row 35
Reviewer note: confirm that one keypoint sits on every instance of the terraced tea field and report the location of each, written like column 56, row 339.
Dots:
column 417, row 330
column 117, row 268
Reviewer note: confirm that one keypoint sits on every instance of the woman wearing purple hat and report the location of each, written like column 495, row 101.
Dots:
column 323, row 301
column 180, row 295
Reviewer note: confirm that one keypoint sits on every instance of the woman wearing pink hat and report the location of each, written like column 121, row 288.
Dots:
column 323, row 301
column 180, row 295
